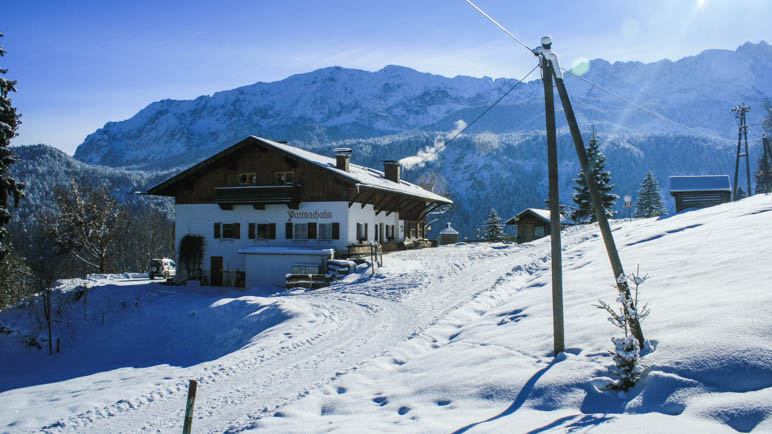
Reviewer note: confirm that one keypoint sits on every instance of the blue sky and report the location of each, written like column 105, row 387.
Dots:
column 83, row 63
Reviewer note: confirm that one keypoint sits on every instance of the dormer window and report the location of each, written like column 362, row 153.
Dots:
column 284, row 178
column 248, row 178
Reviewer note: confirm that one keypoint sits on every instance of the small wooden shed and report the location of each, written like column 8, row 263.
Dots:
column 448, row 236
column 532, row 224
column 700, row 191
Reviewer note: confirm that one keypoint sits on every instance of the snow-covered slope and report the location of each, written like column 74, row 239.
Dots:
column 487, row 366
column 445, row 339
column 339, row 103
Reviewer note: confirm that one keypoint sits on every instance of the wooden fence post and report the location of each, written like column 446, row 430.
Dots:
column 186, row 427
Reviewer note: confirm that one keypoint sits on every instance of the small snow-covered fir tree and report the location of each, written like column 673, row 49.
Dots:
column 583, row 213
column 10, row 190
column 627, row 350
column 493, row 230
column 649, row 203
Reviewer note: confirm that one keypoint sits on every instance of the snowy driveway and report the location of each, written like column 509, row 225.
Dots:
column 346, row 325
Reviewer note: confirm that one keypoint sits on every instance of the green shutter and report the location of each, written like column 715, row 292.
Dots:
column 272, row 231
column 217, row 230
column 312, row 231
column 237, row 230
column 251, row 231
column 288, row 231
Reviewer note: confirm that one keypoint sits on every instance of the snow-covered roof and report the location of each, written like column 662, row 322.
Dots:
column 700, row 183
column 542, row 214
column 449, row 231
column 360, row 175
column 289, row 250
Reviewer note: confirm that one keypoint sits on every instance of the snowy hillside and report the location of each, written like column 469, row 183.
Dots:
column 452, row 338
column 338, row 103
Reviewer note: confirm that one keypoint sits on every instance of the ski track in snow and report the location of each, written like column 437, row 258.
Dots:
column 353, row 323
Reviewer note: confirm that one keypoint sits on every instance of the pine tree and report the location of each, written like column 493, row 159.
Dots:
column 649, row 203
column 10, row 190
column 764, row 172
column 493, row 230
column 584, row 212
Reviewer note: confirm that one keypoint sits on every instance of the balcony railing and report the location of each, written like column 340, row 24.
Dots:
column 257, row 194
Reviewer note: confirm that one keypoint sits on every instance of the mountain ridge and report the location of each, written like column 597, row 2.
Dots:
column 336, row 103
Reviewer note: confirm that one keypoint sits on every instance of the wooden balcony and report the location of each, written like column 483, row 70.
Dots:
column 257, row 195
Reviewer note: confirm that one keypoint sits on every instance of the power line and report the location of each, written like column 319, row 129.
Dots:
column 614, row 94
column 649, row 111
column 504, row 29
column 490, row 107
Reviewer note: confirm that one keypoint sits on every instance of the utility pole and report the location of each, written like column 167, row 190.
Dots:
column 742, row 133
column 547, row 69
column 545, row 52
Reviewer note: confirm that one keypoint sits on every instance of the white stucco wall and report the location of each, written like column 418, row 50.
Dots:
column 199, row 219
column 268, row 270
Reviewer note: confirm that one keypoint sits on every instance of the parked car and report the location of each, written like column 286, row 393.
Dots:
column 165, row 268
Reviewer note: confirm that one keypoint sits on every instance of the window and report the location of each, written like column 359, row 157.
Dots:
column 538, row 231
column 325, row 231
column 249, row 178
column 284, row 178
column 266, row 231
column 227, row 230
column 361, row 231
column 305, row 269
column 300, row 231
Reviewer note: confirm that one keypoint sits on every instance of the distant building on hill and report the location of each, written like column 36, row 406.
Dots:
column 532, row 224
column 700, row 191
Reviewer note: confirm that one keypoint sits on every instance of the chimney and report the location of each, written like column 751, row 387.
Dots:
column 342, row 158
column 391, row 169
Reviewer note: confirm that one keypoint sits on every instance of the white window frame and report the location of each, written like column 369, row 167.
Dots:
column 300, row 231
column 247, row 178
column 320, row 231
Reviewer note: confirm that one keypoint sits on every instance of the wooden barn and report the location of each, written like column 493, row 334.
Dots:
column 532, row 224
column 700, row 191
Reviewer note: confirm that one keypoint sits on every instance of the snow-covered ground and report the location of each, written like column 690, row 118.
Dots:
column 453, row 338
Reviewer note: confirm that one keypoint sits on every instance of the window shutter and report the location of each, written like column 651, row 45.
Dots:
column 272, row 231
column 312, row 231
column 288, row 231
column 251, row 231
column 336, row 231
column 366, row 236
column 217, row 230
column 237, row 230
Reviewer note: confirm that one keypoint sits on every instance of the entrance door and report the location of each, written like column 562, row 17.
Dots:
column 216, row 270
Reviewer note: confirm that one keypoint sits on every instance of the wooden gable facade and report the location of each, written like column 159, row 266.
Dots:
column 252, row 172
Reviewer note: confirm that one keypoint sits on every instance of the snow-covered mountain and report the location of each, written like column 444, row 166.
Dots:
column 339, row 103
